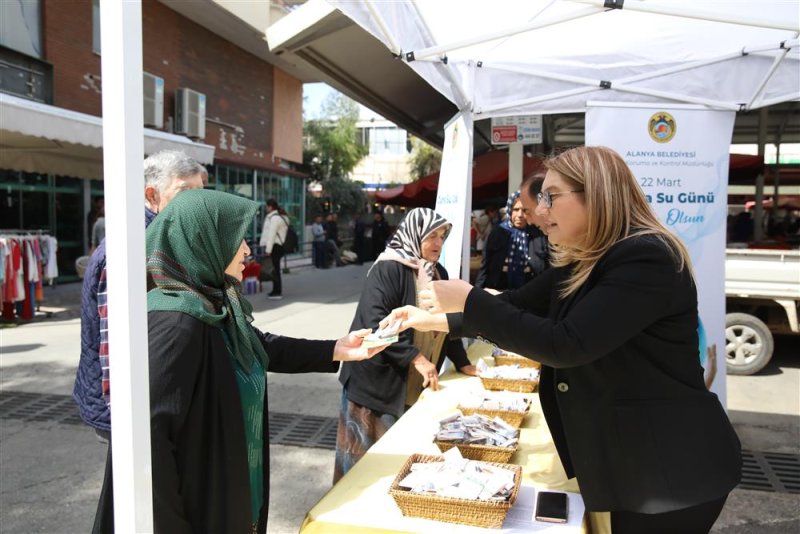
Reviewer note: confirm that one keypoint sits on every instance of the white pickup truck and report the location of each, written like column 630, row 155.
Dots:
column 762, row 289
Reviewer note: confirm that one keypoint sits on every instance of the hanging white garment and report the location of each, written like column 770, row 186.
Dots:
column 52, row 266
column 33, row 261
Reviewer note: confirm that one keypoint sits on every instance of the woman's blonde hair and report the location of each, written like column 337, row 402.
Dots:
column 616, row 206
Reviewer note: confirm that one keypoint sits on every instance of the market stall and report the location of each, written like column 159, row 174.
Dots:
column 360, row 501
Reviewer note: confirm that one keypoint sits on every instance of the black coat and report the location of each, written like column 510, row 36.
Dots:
column 491, row 273
column 494, row 256
column 621, row 387
column 380, row 382
column 200, row 470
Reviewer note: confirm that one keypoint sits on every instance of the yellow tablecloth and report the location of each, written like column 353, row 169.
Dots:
column 360, row 502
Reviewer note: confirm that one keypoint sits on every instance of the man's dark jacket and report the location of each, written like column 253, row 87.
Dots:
column 88, row 388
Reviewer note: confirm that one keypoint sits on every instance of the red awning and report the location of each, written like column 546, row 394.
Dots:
column 490, row 179
column 489, row 182
column 789, row 202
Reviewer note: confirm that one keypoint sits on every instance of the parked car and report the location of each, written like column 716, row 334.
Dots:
column 762, row 289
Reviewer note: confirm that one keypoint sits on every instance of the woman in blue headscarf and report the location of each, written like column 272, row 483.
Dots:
column 506, row 262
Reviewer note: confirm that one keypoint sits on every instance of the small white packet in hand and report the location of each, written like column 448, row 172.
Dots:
column 382, row 336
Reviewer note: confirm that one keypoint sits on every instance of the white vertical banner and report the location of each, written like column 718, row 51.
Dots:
column 123, row 153
column 454, row 197
column 680, row 155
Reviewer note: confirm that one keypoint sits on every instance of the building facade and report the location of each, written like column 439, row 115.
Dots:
column 387, row 163
column 250, row 132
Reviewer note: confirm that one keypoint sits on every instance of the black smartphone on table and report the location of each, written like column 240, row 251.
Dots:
column 551, row 507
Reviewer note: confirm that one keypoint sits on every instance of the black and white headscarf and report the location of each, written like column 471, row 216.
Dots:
column 406, row 243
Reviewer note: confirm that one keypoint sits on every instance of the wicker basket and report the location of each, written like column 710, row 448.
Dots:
column 509, row 384
column 482, row 453
column 486, row 514
column 512, row 418
column 522, row 361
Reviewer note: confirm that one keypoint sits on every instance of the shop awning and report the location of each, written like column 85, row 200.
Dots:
column 40, row 138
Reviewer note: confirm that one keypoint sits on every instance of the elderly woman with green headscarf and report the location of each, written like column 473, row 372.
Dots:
column 375, row 393
column 208, row 364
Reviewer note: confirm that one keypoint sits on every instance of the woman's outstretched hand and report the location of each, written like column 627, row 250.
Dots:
column 445, row 296
column 413, row 317
column 349, row 349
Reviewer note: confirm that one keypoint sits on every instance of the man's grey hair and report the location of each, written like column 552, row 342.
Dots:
column 163, row 167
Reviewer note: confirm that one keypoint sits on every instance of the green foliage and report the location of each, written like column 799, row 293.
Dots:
column 340, row 195
column 425, row 159
column 330, row 154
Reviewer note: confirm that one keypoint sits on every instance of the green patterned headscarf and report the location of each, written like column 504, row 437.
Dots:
column 189, row 246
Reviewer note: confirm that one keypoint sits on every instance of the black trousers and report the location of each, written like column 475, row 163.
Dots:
column 694, row 520
column 276, row 255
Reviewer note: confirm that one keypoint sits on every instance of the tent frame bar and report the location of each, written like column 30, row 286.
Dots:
column 596, row 6
column 440, row 50
column 690, row 13
column 622, row 84
column 594, row 85
column 777, row 61
column 384, row 29
column 464, row 101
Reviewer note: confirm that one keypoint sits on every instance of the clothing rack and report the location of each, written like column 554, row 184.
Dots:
column 27, row 259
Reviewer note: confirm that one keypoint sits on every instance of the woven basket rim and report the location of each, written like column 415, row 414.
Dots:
column 479, row 447
column 514, row 412
column 528, row 361
column 395, row 489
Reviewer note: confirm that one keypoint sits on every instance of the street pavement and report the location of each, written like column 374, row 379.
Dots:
column 51, row 468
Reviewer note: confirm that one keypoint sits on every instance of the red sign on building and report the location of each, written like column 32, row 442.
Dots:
column 504, row 134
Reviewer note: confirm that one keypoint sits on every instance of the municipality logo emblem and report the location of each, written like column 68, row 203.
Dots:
column 662, row 127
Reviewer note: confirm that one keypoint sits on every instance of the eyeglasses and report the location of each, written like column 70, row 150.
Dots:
column 546, row 197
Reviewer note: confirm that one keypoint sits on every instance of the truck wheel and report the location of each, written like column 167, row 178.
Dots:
column 749, row 344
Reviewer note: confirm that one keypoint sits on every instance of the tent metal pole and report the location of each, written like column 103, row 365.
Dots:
column 699, row 14
column 777, row 100
column 384, row 29
column 423, row 22
column 719, row 104
column 758, row 228
column 489, row 110
column 464, row 101
column 645, row 76
column 123, row 153
column 760, row 89
column 440, row 50
column 593, row 85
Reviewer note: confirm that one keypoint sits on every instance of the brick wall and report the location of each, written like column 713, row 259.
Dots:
column 239, row 87
column 288, row 117
column 67, row 35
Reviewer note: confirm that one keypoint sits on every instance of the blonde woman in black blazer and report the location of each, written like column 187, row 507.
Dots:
column 615, row 325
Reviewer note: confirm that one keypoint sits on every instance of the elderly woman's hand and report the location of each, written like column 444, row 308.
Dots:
column 445, row 296
column 413, row 317
column 349, row 349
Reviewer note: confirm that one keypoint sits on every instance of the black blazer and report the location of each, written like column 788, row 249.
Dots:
column 199, row 455
column 621, row 387
column 380, row 382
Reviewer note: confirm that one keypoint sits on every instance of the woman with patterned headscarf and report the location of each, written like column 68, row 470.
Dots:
column 376, row 392
column 506, row 262
column 208, row 401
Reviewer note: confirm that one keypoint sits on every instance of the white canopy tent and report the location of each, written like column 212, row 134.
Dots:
column 510, row 57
